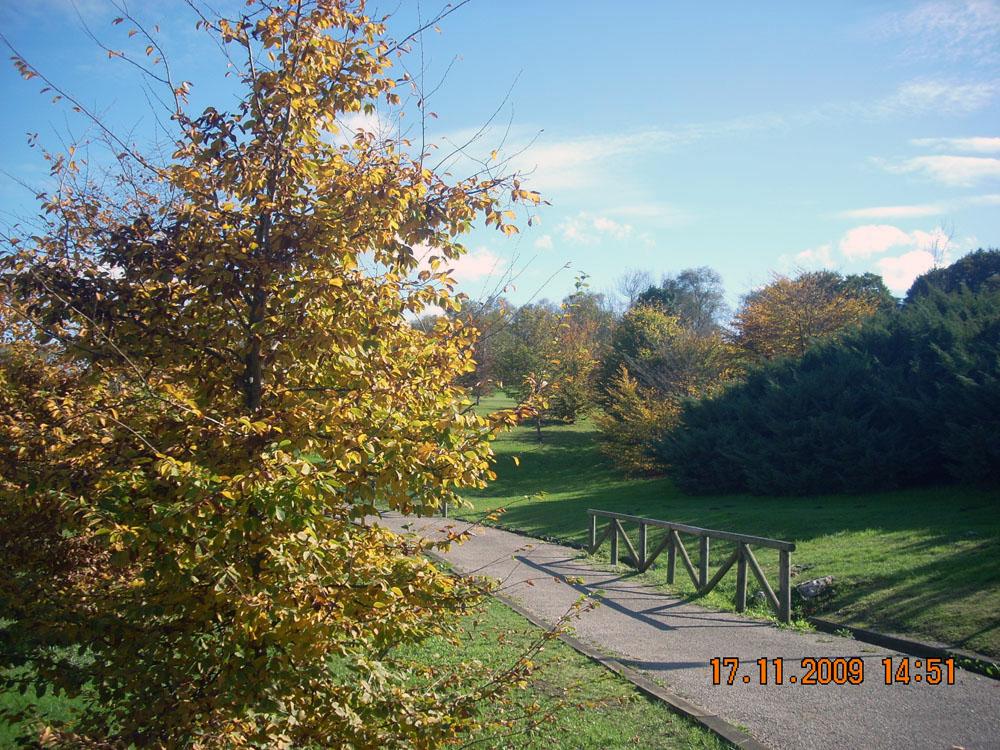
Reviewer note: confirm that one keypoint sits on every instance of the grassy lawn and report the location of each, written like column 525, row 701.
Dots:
column 917, row 562
column 599, row 709
column 591, row 706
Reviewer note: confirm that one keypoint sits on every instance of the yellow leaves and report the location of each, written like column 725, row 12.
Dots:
column 517, row 460
column 785, row 317
column 264, row 392
column 26, row 72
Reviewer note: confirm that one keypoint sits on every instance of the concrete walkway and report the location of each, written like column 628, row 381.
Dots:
column 673, row 641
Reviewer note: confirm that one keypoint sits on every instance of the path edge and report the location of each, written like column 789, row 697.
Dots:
column 714, row 723
column 970, row 661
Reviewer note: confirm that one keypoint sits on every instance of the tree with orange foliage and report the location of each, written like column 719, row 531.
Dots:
column 788, row 315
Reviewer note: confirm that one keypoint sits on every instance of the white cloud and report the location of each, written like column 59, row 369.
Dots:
column 587, row 229
column 875, row 239
column 900, row 271
column 956, row 171
column 475, row 265
column 894, row 212
column 544, row 242
column 964, row 29
column 872, row 239
column 980, row 144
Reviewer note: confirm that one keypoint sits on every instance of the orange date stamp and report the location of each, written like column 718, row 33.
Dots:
column 821, row 670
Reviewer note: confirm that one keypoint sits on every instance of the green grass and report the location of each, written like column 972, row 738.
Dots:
column 48, row 708
column 918, row 562
column 590, row 706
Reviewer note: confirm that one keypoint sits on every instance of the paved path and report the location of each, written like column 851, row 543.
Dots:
column 672, row 641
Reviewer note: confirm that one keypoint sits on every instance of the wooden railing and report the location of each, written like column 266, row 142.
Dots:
column 742, row 556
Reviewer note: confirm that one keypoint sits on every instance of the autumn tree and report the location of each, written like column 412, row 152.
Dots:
column 583, row 336
column 657, row 363
column 203, row 395
column 788, row 315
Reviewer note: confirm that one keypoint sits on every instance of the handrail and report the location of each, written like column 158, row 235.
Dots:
column 742, row 556
column 760, row 541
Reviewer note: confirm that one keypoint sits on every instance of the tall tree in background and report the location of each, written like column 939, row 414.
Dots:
column 695, row 295
column 583, row 336
column 655, row 362
column 629, row 286
column 202, row 394
column 787, row 316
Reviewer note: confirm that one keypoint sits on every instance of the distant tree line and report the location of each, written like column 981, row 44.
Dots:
column 817, row 382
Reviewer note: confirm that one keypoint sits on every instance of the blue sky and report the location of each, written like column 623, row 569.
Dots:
column 751, row 138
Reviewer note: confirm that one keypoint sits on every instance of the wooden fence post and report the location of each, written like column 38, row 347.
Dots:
column 702, row 563
column 593, row 534
column 741, row 580
column 671, row 559
column 785, row 586
column 614, row 542
column 643, row 548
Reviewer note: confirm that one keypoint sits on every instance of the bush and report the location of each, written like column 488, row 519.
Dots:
column 634, row 420
column 911, row 399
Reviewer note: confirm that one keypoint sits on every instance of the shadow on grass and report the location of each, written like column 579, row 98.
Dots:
column 913, row 561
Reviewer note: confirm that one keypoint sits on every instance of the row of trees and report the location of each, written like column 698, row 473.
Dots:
column 818, row 383
column 636, row 364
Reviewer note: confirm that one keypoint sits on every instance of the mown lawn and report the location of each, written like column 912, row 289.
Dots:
column 919, row 562
column 590, row 706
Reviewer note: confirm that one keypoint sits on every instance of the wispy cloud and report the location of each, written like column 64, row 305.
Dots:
column 584, row 162
column 981, row 145
column 894, row 212
column 580, row 162
column 814, row 257
column 955, row 171
column 937, row 96
column 916, row 211
column 956, row 30
column 991, row 199
column 659, row 214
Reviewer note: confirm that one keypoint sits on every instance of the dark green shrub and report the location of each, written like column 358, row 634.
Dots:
column 911, row 399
